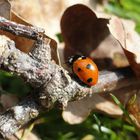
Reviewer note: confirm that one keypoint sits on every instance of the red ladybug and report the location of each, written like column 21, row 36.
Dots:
column 85, row 69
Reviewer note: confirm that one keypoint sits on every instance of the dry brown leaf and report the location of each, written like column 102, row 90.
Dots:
column 5, row 9
column 16, row 18
column 125, row 33
column 109, row 55
column 47, row 15
column 133, row 107
column 26, row 45
column 8, row 100
column 78, row 111
column 85, row 33
column 107, row 58
column 82, row 30
column 22, row 43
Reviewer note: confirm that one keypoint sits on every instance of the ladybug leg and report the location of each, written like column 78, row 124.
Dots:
column 76, row 78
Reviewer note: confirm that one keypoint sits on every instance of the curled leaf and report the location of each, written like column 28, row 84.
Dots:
column 129, row 40
column 86, row 33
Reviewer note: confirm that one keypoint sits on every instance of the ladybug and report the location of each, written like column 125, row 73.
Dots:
column 85, row 69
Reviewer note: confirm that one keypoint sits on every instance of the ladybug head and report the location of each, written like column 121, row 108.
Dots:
column 73, row 58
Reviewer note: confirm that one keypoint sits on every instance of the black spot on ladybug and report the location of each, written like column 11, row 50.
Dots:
column 79, row 69
column 89, row 80
column 89, row 66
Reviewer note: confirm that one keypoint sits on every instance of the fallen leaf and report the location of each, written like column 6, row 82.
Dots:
column 5, row 9
column 84, row 33
column 26, row 44
column 82, row 30
column 8, row 100
column 133, row 107
column 46, row 19
column 22, row 43
column 77, row 111
column 47, row 15
column 126, row 35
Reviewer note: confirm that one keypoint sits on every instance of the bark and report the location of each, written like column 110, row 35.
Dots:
column 17, row 116
column 52, row 83
column 20, row 30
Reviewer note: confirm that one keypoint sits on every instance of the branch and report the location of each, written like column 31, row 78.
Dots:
column 17, row 116
column 30, row 108
column 52, row 83
column 20, row 30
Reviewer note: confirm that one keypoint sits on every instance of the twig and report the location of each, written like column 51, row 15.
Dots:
column 20, row 30
column 17, row 116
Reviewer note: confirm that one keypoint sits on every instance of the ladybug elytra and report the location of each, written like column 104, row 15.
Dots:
column 85, row 69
